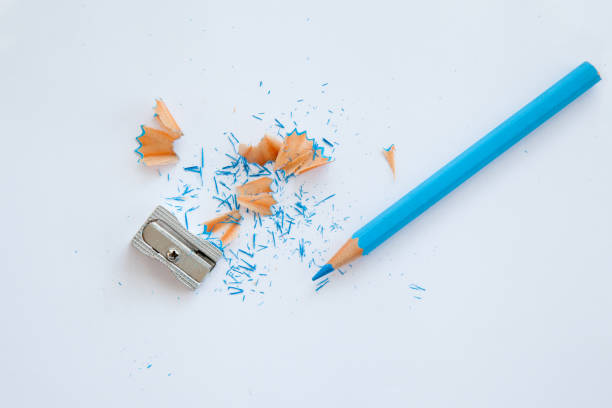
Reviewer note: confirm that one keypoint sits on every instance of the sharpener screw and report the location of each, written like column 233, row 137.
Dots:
column 173, row 254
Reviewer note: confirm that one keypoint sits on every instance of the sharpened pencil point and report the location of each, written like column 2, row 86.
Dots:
column 327, row 268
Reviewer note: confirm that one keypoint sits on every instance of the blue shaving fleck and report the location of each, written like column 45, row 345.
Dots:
column 321, row 284
column 187, row 212
column 302, row 249
column 177, row 198
column 323, row 200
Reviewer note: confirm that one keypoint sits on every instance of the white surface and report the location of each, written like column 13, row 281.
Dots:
column 516, row 262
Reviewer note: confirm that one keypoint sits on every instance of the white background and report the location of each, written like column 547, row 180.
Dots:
column 516, row 263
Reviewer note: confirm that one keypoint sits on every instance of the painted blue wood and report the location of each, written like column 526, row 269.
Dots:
column 476, row 157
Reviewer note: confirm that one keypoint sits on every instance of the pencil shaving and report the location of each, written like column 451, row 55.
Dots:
column 260, row 203
column 256, row 195
column 166, row 120
column 312, row 164
column 230, row 234
column 224, row 219
column 260, row 185
column 293, row 145
column 299, row 155
column 390, row 156
column 229, row 221
column 266, row 150
column 296, row 162
column 156, row 145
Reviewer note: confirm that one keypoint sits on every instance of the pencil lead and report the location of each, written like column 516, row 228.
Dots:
column 327, row 268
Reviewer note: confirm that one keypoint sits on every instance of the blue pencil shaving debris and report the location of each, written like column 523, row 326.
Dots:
column 335, row 227
column 273, row 239
column 323, row 200
column 300, row 208
column 198, row 169
column 187, row 212
column 321, row 284
column 176, row 198
column 224, row 201
column 416, row 287
column 247, row 266
column 296, row 220
column 246, row 253
column 302, row 248
column 327, row 142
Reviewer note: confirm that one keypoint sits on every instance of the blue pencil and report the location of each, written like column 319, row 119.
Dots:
column 464, row 166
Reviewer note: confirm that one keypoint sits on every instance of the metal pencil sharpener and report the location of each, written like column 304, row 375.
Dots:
column 163, row 238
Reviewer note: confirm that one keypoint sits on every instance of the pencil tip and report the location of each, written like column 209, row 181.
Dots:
column 327, row 268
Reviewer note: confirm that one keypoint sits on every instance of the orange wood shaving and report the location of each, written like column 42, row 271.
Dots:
column 260, row 185
column 165, row 119
column 297, row 162
column 312, row 164
column 156, row 147
column 221, row 221
column 390, row 156
column 266, row 150
column 230, row 234
column 298, row 155
column 256, row 195
column 228, row 221
column 155, row 144
column 293, row 145
column 259, row 203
